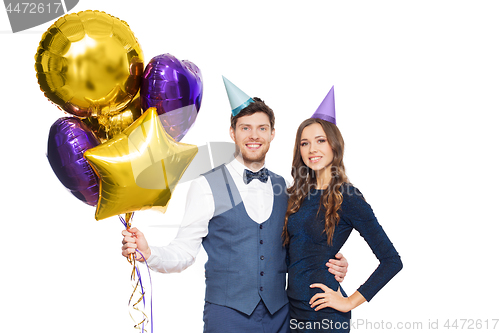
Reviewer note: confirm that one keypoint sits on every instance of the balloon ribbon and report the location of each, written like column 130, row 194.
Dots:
column 137, row 282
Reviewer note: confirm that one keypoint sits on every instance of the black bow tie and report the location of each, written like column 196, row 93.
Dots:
column 261, row 175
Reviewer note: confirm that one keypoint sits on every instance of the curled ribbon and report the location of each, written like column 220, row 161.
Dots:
column 136, row 282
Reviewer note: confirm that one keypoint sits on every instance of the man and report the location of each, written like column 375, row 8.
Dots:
column 238, row 216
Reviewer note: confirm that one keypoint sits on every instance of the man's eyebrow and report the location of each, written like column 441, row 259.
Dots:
column 256, row 125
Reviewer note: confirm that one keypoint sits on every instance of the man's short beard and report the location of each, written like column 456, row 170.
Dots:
column 248, row 161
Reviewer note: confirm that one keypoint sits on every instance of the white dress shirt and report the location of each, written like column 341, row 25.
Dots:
column 257, row 198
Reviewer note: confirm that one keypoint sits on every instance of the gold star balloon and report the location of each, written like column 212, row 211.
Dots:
column 139, row 168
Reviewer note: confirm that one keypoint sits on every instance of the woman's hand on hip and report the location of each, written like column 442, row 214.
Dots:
column 329, row 298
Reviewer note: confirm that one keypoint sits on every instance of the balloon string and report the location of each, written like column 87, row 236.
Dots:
column 126, row 220
column 151, row 284
column 137, row 281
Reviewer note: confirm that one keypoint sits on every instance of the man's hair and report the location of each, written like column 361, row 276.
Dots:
column 257, row 106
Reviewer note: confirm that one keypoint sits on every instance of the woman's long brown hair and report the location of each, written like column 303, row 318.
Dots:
column 304, row 179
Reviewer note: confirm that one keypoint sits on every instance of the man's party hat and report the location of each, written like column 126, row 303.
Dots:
column 237, row 98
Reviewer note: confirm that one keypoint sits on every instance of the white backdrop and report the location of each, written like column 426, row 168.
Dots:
column 417, row 97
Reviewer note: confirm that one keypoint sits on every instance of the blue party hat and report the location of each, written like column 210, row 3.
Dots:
column 326, row 110
column 237, row 98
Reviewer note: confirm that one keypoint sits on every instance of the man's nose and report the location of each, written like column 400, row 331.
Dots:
column 254, row 134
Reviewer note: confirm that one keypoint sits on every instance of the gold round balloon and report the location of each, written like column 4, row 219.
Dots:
column 106, row 127
column 89, row 64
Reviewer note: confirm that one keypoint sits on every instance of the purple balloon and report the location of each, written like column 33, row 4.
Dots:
column 175, row 89
column 69, row 138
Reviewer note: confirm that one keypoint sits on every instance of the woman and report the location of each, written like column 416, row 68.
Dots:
column 323, row 208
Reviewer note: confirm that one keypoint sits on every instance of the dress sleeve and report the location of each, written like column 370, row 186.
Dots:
column 358, row 213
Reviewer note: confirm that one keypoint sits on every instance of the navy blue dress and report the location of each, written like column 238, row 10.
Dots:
column 308, row 251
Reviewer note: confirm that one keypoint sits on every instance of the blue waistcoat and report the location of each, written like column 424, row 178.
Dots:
column 246, row 260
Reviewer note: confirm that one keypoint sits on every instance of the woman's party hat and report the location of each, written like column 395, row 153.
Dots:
column 326, row 110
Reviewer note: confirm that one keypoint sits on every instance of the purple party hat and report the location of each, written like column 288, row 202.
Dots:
column 326, row 110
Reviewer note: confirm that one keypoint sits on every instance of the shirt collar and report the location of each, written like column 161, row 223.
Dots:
column 240, row 167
